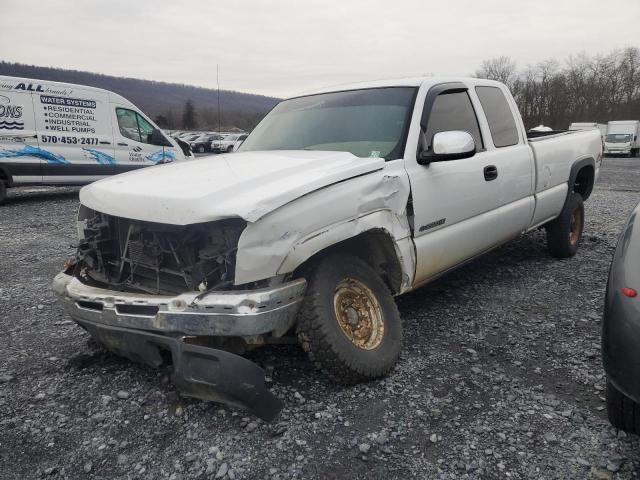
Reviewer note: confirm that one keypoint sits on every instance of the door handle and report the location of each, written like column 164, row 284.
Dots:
column 490, row 172
column 123, row 144
column 104, row 142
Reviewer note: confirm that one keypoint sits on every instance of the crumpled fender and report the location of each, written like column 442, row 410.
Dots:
column 282, row 240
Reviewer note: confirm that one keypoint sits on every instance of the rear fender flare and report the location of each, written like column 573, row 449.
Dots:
column 573, row 175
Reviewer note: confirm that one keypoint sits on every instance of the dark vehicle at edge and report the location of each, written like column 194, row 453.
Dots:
column 621, row 330
column 202, row 143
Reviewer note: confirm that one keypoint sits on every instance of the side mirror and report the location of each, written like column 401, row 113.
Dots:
column 452, row 145
column 158, row 138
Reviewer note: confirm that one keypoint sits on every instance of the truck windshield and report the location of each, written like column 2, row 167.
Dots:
column 617, row 138
column 368, row 123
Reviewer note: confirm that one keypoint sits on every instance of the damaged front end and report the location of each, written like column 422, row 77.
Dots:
column 164, row 294
column 130, row 255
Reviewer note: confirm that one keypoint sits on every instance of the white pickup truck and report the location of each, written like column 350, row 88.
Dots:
column 336, row 202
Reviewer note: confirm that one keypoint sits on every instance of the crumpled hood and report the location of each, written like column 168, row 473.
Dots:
column 246, row 184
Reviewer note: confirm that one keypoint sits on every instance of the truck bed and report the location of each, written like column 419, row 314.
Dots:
column 535, row 136
column 555, row 153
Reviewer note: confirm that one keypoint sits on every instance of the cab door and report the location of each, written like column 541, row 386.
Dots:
column 454, row 201
column 508, row 151
column 20, row 155
column 134, row 143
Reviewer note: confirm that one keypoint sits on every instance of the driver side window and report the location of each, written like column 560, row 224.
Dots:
column 453, row 111
column 132, row 125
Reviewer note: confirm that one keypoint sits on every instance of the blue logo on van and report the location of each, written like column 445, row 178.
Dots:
column 162, row 156
column 100, row 157
column 29, row 151
column 10, row 115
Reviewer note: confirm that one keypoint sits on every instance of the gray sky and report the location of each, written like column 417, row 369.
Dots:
column 284, row 47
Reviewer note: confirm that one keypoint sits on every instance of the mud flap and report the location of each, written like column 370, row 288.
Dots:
column 199, row 372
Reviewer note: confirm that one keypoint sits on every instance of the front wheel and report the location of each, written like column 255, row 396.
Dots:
column 349, row 323
column 564, row 233
column 201, row 149
column 3, row 191
column 230, row 149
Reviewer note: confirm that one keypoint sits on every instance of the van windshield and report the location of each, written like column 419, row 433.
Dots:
column 618, row 138
column 367, row 123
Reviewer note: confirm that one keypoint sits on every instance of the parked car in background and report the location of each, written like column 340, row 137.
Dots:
column 622, row 138
column 187, row 136
column 335, row 203
column 228, row 142
column 621, row 330
column 64, row 134
column 202, row 143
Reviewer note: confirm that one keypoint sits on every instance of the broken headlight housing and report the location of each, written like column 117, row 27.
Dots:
column 132, row 255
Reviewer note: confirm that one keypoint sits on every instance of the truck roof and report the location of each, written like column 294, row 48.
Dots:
column 399, row 82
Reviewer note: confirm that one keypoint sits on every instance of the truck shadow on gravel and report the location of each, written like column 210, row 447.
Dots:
column 39, row 196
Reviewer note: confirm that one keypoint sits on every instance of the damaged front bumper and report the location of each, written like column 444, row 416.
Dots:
column 142, row 326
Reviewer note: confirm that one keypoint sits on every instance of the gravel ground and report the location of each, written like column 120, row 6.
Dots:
column 500, row 376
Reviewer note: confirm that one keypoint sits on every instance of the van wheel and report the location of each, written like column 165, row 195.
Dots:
column 564, row 233
column 3, row 191
column 623, row 413
column 349, row 323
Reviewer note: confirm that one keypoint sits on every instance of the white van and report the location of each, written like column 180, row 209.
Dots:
column 622, row 138
column 63, row 134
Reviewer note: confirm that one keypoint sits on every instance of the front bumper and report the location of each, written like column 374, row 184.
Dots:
column 617, row 151
column 142, row 326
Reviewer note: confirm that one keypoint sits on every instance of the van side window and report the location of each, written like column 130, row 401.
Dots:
column 146, row 129
column 453, row 111
column 499, row 116
column 132, row 125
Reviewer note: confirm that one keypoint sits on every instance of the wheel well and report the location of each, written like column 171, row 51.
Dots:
column 4, row 177
column 583, row 183
column 374, row 247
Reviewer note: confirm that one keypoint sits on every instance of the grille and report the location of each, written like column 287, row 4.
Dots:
column 157, row 258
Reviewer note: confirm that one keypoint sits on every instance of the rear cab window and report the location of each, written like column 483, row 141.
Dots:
column 502, row 124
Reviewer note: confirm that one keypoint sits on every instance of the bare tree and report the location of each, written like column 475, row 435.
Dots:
column 583, row 89
column 502, row 69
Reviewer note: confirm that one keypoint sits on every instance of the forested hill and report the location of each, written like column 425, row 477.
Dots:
column 161, row 100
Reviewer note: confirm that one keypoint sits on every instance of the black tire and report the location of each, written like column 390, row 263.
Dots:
column 230, row 149
column 3, row 191
column 623, row 413
column 200, row 148
column 321, row 335
column 560, row 232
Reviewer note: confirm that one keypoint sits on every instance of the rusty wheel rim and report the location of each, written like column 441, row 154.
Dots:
column 358, row 313
column 575, row 227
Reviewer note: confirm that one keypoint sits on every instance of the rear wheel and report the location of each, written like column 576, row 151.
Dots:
column 564, row 233
column 623, row 412
column 349, row 323
column 3, row 191
column 200, row 148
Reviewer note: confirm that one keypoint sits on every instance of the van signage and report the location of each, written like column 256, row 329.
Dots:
column 28, row 87
column 10, row 115
column 68, row 102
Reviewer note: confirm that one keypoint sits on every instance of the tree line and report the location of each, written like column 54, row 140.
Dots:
column 583, row 88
